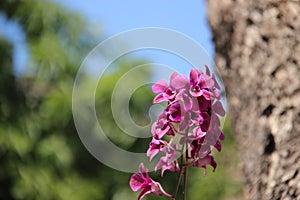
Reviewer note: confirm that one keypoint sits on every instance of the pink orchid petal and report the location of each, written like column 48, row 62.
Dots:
column 143, row 193
column 216, row 83
column 164, row 192
column 218, row 108
column 172, row 78
column 136, row 182
column 143, row 171
column 160, row 86
column 178, row 81
column 216, row 94
column 156, row 188
column 151, row 153
column 218, row 146
column 188, row 102
column 207, row 71
column 198, row 133
column 208, row 160
column 206, row 94
column 175, row 112
column 196, row 93
column 159, row 98
column 183, row 125
column 222, row 136
column 160, row 134
column 209, row 82
column 194, row 77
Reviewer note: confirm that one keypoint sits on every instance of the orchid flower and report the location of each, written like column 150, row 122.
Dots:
column 193, row 114
column 143, row 182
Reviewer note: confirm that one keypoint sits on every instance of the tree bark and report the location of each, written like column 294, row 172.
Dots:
column 258, row 55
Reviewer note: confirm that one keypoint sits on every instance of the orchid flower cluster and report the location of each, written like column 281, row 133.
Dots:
column 191, row 118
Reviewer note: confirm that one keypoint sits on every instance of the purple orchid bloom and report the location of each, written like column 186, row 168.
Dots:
column 169, row 161
column 190, row 119
column 173, row 112
column 187, row 100
column 218, row 109
column 143, row 182
column 162, row 127
column 155, row 147
column 164, row 123
column 198, row 133
column 168, row 92
column 193, row 114
column 201, row 84
column 203, row 162
column 216, row 85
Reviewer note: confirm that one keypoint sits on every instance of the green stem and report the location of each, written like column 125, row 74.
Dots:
column 185, row 174
column 183, row 161
column 184, row 183
column 179, row 177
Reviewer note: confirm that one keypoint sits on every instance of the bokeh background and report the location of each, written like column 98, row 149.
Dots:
column 42, row 44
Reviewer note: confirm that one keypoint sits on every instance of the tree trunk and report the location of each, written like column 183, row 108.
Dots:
column 258, row 55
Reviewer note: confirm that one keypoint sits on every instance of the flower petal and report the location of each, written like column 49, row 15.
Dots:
column 196, row 91
column 158, row 132
column 151, row 153
column 143, row 193
column 207, row 71
column 144, row 171
column 218, row 146
column 218, row 108
column 222, row 136
column 164, row 192
column 188, row 102
column 209, row 82
column 207, row 95
column 198, row 133
column 159, row 98
column 178, row 81
column 216, row 83
column 160, row 86
column 194, row 77
column 175, row 112
column 136, row 182
column 207, row 160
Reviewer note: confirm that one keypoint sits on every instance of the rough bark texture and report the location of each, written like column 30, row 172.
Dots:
column 258, row 55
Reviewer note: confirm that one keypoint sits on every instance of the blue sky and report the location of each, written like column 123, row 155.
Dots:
column 13, row 33
column 114, row 16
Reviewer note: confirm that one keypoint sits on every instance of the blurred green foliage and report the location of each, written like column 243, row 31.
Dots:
column 41, row 155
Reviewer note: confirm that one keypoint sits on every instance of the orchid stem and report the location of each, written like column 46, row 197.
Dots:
column 183, row 161
column 184, row 183
column 178, row 178
column 185, row 175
